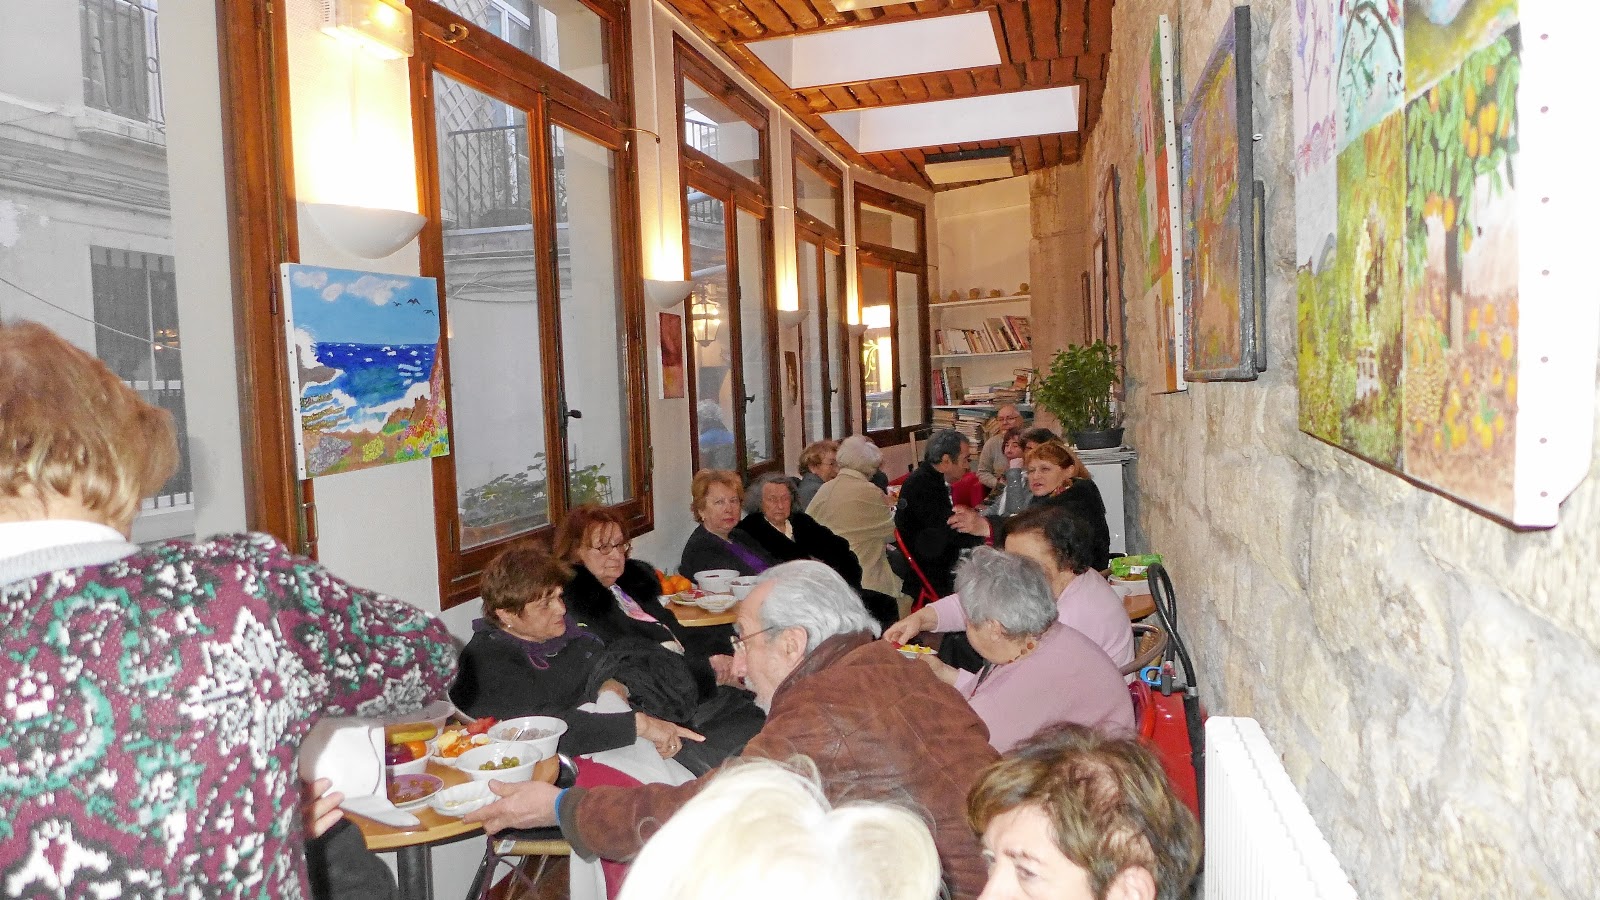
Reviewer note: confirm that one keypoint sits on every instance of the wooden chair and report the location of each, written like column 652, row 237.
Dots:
column 1149, row 642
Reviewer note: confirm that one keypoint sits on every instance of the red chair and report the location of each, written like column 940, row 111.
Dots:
column 925, row 594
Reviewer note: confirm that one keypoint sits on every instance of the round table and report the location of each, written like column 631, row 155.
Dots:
column 694, row 617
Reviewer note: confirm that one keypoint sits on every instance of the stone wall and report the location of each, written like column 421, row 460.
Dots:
column 1424, row 671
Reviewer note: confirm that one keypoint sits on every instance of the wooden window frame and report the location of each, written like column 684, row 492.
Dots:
column 896, row 261
column 484, row 62
column 699, row 171
column 827, row 238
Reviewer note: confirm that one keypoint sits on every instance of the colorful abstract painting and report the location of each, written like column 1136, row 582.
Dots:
column 363, row 368
column 1415, row 342
column 671, row 356
column 1218, row 228
column 1155, row 186
column 1316, row 128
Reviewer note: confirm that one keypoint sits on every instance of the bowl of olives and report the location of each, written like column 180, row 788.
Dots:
column 503, row 761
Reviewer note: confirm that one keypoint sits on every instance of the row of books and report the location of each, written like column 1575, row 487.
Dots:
column 972, row 421
column 947, row 387
column 999, row 334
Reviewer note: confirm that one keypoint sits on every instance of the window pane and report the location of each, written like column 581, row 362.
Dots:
column 758, row 437
column 713, row 128
column 815, row 195
column 837, row 375
column 593, row 328
column 887, row 228
column 491, row 298
column 708, row 327
column 563, row 34
column 877, row 347
column 908, row 308
column 813, row 355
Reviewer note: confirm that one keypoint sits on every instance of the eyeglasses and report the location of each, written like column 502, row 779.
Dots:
column 625, row 546
column 740, row 640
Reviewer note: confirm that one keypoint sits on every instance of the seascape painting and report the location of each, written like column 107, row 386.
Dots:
column 1413, row 321
column 363, row 368
column 1155, row 186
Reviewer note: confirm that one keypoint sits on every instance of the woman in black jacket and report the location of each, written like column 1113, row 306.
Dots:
column 1056, row 477
column 719, row 542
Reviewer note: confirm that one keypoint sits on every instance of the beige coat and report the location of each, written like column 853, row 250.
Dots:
column 853, row 508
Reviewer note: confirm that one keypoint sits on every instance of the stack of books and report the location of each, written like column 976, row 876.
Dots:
column 999, row 334
column 947, row 387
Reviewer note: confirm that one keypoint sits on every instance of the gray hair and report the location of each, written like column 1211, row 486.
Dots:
column 1011, row 590
column 943, row 443
column 752, row 494
column 810, row 595
column 859, row 454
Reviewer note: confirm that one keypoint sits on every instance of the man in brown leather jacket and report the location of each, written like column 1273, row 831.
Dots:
column 879, row 727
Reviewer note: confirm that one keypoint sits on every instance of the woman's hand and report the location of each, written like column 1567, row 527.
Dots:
column 667, row 737
column 946, row 673
column 320, row 807
column 966, row 520
column 904, row 630
column 615, row 687
column 722, row 664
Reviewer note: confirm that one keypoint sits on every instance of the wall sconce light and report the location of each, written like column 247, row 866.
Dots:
column 381, row 27
column 857, row 329
column 667, row 294
column 705, row 319
column 789, row 318
column 364, row 231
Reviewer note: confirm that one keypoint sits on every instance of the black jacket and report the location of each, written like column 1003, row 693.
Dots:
column 705, row 550
column 495, row 678
column 923, row 519
column 596, row 608
column 1083, row 499
column 812, row 540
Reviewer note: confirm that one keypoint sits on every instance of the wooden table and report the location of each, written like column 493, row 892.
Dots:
column 1139, row 605
column 695, row 617
column 413, row 847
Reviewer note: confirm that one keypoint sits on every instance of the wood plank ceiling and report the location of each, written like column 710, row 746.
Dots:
column 1043, row 43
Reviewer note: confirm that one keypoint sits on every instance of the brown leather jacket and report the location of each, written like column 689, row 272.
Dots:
column 877, row 725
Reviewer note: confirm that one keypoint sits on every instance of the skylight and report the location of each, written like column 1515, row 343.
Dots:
column 959, row 121
column 912, row 47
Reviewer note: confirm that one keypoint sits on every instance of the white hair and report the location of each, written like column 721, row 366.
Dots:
column 1008, row 589
column 762, row 828
column 859, row 454
column 810, row 595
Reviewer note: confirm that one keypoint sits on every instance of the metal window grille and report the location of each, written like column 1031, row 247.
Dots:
column 122, row 59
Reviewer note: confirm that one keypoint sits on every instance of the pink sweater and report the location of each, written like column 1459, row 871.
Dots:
column 1065, row 679
column 1089, row 604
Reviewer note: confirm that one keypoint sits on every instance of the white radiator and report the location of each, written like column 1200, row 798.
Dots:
column 1261, row 843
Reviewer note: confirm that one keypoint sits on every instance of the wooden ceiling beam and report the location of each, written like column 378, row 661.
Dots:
column 1098, row 18
column 771, row 17
column 1014, row 24
column 1043, row 23
column 800, row 13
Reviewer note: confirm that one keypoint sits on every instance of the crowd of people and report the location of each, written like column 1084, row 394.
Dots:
column 156, row 697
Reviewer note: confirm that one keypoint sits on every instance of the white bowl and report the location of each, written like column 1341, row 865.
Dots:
column 743, row 585
column 716, row 603
column 549, row 728
column 457, row 801
column 415, row 767
column 471, row 762
column 715, row 581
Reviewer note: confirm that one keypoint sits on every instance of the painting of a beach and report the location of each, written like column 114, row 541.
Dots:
column 364, row 368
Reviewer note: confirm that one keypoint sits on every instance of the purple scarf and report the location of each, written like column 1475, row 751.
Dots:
column 750, row 560
column 539, row 652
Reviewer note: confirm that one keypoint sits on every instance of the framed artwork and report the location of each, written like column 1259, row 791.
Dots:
column 671, row 356
column 1155, row 183
column 364, row 368
column 1219, row 232
column 1090, row 327
column 1098, row 307
column 1447, row 319
column 1108, row 256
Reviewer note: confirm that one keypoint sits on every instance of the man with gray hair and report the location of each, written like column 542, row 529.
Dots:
column 923, row 517
column 833, row 693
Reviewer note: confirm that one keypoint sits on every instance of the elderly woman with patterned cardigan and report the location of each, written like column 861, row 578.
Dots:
column 156, row 697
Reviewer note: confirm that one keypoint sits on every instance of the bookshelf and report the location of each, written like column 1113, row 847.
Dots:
column 977, row 344
column 981, row 301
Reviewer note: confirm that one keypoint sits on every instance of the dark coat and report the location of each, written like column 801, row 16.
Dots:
column 495, row 678
column 705, row 550
column 596, row 608
column 812, row 540
column 922, row 517
column 1083, row 499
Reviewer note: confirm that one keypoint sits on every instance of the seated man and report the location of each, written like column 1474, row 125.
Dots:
column 923, row 517
column 992, row 460
column 832, row 693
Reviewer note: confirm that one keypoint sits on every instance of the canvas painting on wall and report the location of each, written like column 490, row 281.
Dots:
column 1436, row 311
column 1108, row 220
column 363, row 368
column 1155, row 183
column 1219, row 229
column 672, row 382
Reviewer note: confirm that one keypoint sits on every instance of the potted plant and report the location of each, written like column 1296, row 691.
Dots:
column 1077, row 389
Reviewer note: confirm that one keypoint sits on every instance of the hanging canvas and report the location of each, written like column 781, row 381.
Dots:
column 363, row 368
column 1155, row 181
column 671, row 356
column 1108, row 227
column 1219, row 212
column 1446, row 323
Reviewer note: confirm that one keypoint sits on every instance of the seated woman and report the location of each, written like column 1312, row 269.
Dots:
column 528, row 657
column 1056, row 477
column 1077, row 815
column 1035, row 437
column 1010, row 495
column 819, row 464
column 1059, row 541
column 854, row 508
column 1038, row 671
column 719, row 543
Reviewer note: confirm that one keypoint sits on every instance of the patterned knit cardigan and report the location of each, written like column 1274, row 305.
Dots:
column 151, row 709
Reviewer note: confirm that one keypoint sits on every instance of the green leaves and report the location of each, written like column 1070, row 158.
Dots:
column 1077, row 388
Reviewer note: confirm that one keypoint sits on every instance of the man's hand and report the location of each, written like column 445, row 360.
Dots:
column 945, row 672
column 904, row 630
column 320, row 807
column 526, row 804
column 667, row 737
column 966, row 520
column 722, row 664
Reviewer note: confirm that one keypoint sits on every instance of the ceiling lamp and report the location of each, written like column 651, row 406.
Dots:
column 984, row 164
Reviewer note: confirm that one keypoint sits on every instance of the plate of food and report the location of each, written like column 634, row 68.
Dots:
column 457, row 739
column 914, row 651
column 411, row 792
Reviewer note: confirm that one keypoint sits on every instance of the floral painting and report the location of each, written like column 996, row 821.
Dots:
column 363, row 368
